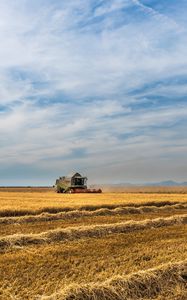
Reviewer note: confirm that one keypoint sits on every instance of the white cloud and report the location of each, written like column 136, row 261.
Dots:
column 112, row 6
column 86, row 63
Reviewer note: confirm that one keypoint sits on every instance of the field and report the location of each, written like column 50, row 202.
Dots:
column 122, row 245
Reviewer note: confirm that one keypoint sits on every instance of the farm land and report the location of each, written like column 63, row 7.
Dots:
column 129, row 244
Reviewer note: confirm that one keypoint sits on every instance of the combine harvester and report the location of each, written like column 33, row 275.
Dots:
column 74, row 183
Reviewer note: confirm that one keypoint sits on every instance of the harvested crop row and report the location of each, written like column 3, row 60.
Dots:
column 142, row 285
column 71, row 233
column 55, row 210
column 84, row 213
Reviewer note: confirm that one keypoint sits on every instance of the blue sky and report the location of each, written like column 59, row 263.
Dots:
column 94, row 86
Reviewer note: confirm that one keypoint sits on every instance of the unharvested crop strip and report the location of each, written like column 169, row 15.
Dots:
column 141, row 285
column 46, row 217
column 92, row 231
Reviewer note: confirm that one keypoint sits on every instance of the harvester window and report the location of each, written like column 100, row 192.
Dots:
column 79, row 181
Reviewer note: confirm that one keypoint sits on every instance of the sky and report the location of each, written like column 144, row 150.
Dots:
column 94, row 86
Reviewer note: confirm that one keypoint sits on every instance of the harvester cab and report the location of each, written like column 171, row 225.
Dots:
column 74, row 183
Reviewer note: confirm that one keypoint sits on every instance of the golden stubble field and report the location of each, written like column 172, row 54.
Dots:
column 93, row 246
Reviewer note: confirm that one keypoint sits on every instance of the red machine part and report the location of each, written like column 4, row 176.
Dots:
column 79, row 190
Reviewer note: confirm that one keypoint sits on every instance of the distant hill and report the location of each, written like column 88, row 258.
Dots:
column 167, row 183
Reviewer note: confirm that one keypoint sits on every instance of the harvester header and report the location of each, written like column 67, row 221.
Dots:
column 74, row 183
